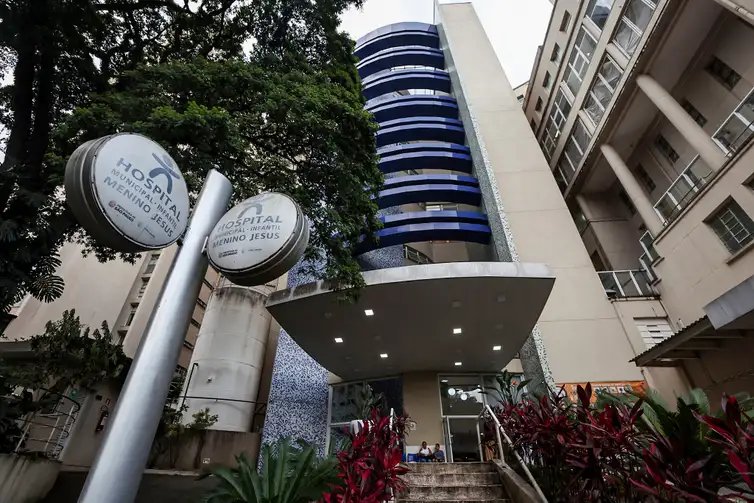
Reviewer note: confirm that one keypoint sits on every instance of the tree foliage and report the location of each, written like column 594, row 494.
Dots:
column 69, row 354
column 286, row 116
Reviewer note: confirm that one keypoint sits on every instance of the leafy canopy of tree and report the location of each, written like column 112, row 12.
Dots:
column 68, row 354
column 287, row 116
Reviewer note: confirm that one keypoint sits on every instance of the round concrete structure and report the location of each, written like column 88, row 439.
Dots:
column 228, row 356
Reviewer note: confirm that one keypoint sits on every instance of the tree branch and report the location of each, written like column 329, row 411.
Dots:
column 143, row 4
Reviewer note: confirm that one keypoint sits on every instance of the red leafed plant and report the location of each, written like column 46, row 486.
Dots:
column 370, row 468
column 735, row 434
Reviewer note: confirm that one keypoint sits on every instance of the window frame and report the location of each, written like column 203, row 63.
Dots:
column 645, row 179
column 694, row 112
column 580, row 150
column 741, row 218
column 599, row 78
column 565, row 21
column 539, row 104
column 578, row 55
column 661, row 143
column 547, row 81
column 591, row 5
column 716, row 65
column 624, row 20
column 556, row 54
column 550, row 139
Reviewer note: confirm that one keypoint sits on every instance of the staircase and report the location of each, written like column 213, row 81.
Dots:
column 453, row 482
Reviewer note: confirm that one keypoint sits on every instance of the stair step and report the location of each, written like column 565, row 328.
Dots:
column 452, row 467
column 451, row 479
column 456, row 493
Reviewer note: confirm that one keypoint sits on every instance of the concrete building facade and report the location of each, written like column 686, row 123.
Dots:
column 644, row 110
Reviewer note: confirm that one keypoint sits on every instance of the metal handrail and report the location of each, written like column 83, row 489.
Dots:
column 487, row 411
column 53, row 442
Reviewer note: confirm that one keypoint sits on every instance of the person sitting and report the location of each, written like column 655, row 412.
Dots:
column 425, row 453
column 438, row 456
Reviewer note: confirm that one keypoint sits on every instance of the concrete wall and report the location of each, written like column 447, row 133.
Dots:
column 196, row 450
column 24, row 479
column 421, row 401
column 727, row 369
column 669, row 382
column 111, row 281
column 83, row 441
column 696, row 267
column 582, row 334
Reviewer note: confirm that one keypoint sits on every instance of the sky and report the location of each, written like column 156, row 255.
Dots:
column 515, row 27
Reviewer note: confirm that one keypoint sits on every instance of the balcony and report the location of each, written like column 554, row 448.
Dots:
column 626, row 284
column 731, row 137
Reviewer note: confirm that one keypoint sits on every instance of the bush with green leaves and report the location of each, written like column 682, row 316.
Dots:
column 290, row 473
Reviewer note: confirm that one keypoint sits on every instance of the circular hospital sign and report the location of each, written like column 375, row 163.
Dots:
column 127, row 192
column 259, row 239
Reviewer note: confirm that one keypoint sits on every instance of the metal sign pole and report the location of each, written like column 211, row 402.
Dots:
column 117, row 470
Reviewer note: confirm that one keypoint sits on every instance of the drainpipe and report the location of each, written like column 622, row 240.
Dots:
column 738, row 10
column 188, row 381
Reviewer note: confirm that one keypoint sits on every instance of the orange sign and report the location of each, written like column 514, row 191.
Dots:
column 614, row 388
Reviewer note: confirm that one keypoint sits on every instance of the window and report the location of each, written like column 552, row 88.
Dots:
column 558, row 115
column 131, row 315
column 722, row 72
column 645, row 179
column 738, row 130
column 188, row 345
column 533, row 125
column 143, row 288
column 547, row 82
column 575, row 149
column 627, row 202
column 565, row 22
column 195, row 323
column 538, row 106
column 733, row 226
column 153, row 258
column 581, row 55
column 201, row 303
column 632, row 24
column 208, row 284
column 694, row 113
column 598, row 11
column 555, row 56
column 602, row 90
column 667, row 149
column 520, row 99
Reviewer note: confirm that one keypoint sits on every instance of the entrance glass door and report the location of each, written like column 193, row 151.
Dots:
column 462, row 439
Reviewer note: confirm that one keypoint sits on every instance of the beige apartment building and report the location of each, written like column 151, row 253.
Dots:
column 119, row 293
column 644, row 111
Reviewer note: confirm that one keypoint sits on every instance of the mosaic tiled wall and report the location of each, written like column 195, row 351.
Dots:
column 533, row 355
column 297, row 406
column 383, row 258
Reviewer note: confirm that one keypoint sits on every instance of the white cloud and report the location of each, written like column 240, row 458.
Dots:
column 515, row 27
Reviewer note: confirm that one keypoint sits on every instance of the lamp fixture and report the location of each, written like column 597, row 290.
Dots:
column 464, row 396
column 383, row 355
column 338, row 340
column 458, row 364
column 368, row 312
column 497, row 348
column 451, row 391
column 457, row 331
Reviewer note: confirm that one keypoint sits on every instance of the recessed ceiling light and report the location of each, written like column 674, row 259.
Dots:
column 456, row 303
column 328, row 315
column 338, row 340
column 444, row 380
column 458, row 364
column 497, row 348
column 501, row 298
column 383, row 355
column 499, row 326
column 457, row 330
column 368, row 312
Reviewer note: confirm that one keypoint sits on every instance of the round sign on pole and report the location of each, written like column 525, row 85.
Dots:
column 127, row 192
column 259, row 239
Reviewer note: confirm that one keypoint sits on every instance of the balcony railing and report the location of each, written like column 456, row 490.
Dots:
column 683, row 190
column 626, row 284
column 731, row 137
column 415, row 255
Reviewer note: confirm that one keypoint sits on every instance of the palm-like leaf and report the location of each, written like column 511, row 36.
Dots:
column 289, row 474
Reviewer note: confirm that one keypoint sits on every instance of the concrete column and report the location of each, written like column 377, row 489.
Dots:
column 633, row 189
column 229, row 356
column 691, row 131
